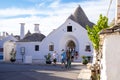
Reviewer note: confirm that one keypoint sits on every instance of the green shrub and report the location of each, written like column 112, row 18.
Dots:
column 85, row 60
column 48, row 58
column 84, row 57
column 89, row 58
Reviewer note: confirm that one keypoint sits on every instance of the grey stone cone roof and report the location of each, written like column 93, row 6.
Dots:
column 80, row 17
column 35, row 37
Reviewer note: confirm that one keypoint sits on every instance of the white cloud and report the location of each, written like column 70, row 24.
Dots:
column 55, row 4
column 41, row 4
column 94, row 9
column 11, row 12
column 57, row 14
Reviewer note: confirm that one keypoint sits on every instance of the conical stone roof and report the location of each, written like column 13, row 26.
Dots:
column 80, row 17
column 35, row 37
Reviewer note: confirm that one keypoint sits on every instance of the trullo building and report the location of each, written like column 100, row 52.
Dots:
column 71, row 35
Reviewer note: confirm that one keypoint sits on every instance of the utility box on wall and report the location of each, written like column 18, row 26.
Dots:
column 28, row 59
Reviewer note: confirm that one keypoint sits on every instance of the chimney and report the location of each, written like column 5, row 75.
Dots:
column 7, row 34
column 3, row 34
column 117, row 13
column 36, row 29
column 22, row 31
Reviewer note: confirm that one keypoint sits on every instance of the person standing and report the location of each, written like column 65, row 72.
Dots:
column 63, row 58
column 54, row 57
column 72, row 55
column 68, row 65
column 76, row 55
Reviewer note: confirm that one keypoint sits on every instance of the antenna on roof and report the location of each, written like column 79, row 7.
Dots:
column 109, row 7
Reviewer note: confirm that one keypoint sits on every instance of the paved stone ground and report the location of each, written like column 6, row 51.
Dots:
column 11, row 71
column 85, row 74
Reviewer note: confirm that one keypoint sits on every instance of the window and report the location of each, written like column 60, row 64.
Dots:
column 88, row 48
column 1, row 49
column 51, row 47
column 69, row 28
column 1, row 57
column 36, row 47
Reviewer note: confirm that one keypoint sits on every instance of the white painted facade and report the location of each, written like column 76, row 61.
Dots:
column 29, row 51
column 71, row 32
column 60, row 39
column 111, row 58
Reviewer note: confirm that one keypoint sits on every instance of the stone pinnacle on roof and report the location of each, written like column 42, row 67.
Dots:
column 80, row 17
column 28, row 33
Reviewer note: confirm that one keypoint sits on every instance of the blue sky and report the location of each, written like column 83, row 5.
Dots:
column 50, row 14
column 31, row 3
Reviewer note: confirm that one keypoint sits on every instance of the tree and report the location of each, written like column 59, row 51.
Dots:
column 93, row 34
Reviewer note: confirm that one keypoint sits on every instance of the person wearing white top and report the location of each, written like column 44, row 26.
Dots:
column 54, row 57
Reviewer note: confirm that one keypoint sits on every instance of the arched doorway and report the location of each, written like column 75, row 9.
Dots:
column 71, row 45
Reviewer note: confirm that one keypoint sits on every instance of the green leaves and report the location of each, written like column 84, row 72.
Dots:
column 93, row 33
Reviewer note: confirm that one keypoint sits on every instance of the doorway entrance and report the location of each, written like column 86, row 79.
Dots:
column 71, row 45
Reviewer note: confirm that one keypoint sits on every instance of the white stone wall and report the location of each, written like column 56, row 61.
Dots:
column 60, row 37
column 29, row 51
column 111, row 58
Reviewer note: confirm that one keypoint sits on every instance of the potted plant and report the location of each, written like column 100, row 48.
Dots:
column 48, row 58
column 84, row 61
column 12, row 60
column 89, row 58
column 13, row 54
